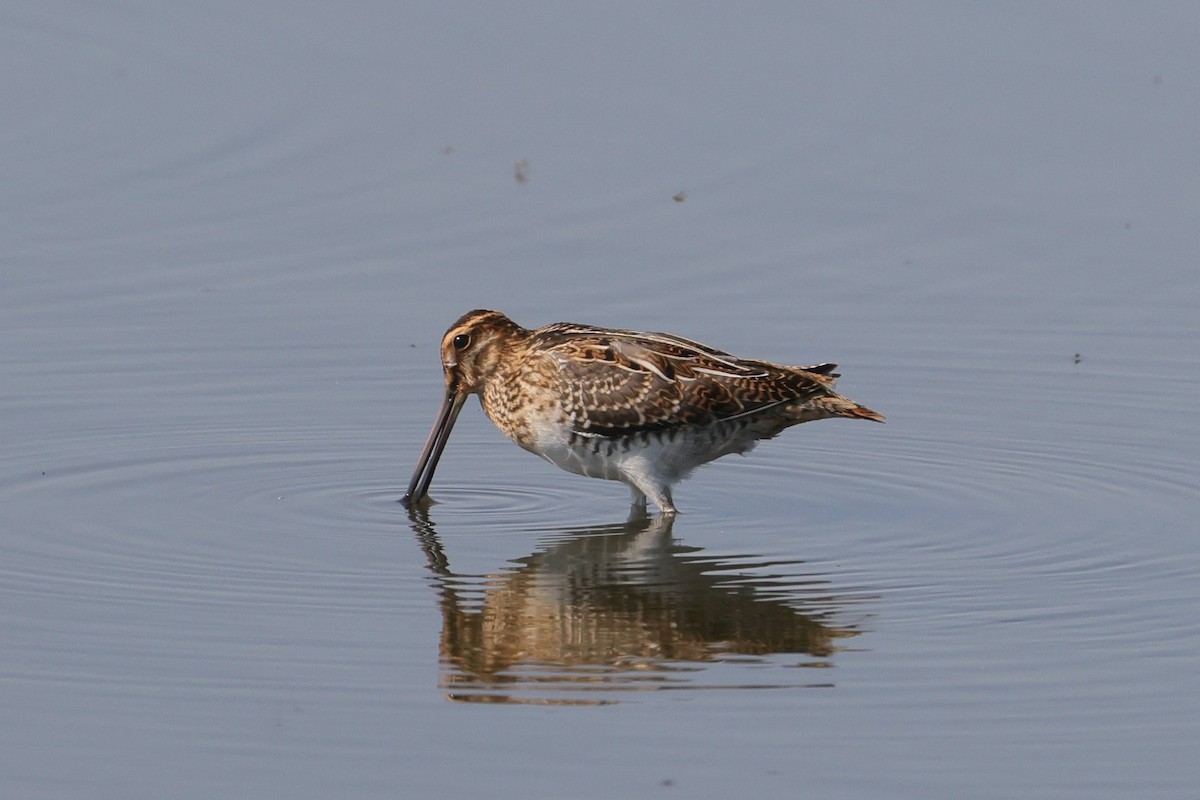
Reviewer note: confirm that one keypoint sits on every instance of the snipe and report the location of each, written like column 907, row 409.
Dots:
column 642, row 408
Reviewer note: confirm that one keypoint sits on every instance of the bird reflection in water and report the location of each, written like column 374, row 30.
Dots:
column 625, row 607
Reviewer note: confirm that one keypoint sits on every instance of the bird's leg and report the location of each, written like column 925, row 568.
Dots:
column 639, row 498
column 660, row 494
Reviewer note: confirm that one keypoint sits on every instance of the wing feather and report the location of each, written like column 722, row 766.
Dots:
column 615, row 382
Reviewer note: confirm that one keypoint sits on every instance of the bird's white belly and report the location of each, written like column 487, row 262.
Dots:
column 579, row 455
column 662, row 458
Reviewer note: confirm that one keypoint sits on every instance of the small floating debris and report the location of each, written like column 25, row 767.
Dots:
column 679, row 197
column 1078, row 358
column 521, row 171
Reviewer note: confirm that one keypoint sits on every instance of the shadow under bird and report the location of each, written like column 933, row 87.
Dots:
column 645, row 409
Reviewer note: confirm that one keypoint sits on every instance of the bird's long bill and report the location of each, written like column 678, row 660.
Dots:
column 451, row 405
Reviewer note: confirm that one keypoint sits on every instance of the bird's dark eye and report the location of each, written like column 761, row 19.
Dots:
column 461, row 341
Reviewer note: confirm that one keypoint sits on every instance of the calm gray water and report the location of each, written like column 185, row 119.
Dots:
column 233, row 235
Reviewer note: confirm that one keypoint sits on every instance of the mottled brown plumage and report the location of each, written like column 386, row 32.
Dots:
column 642, row 408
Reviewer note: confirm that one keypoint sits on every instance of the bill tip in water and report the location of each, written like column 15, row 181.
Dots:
column 408, row 501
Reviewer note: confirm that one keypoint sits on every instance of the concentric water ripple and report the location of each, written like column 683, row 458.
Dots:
column 200, row 521
column 505, row 502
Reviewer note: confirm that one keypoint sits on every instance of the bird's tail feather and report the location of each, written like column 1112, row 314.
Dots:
column 834, row 406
